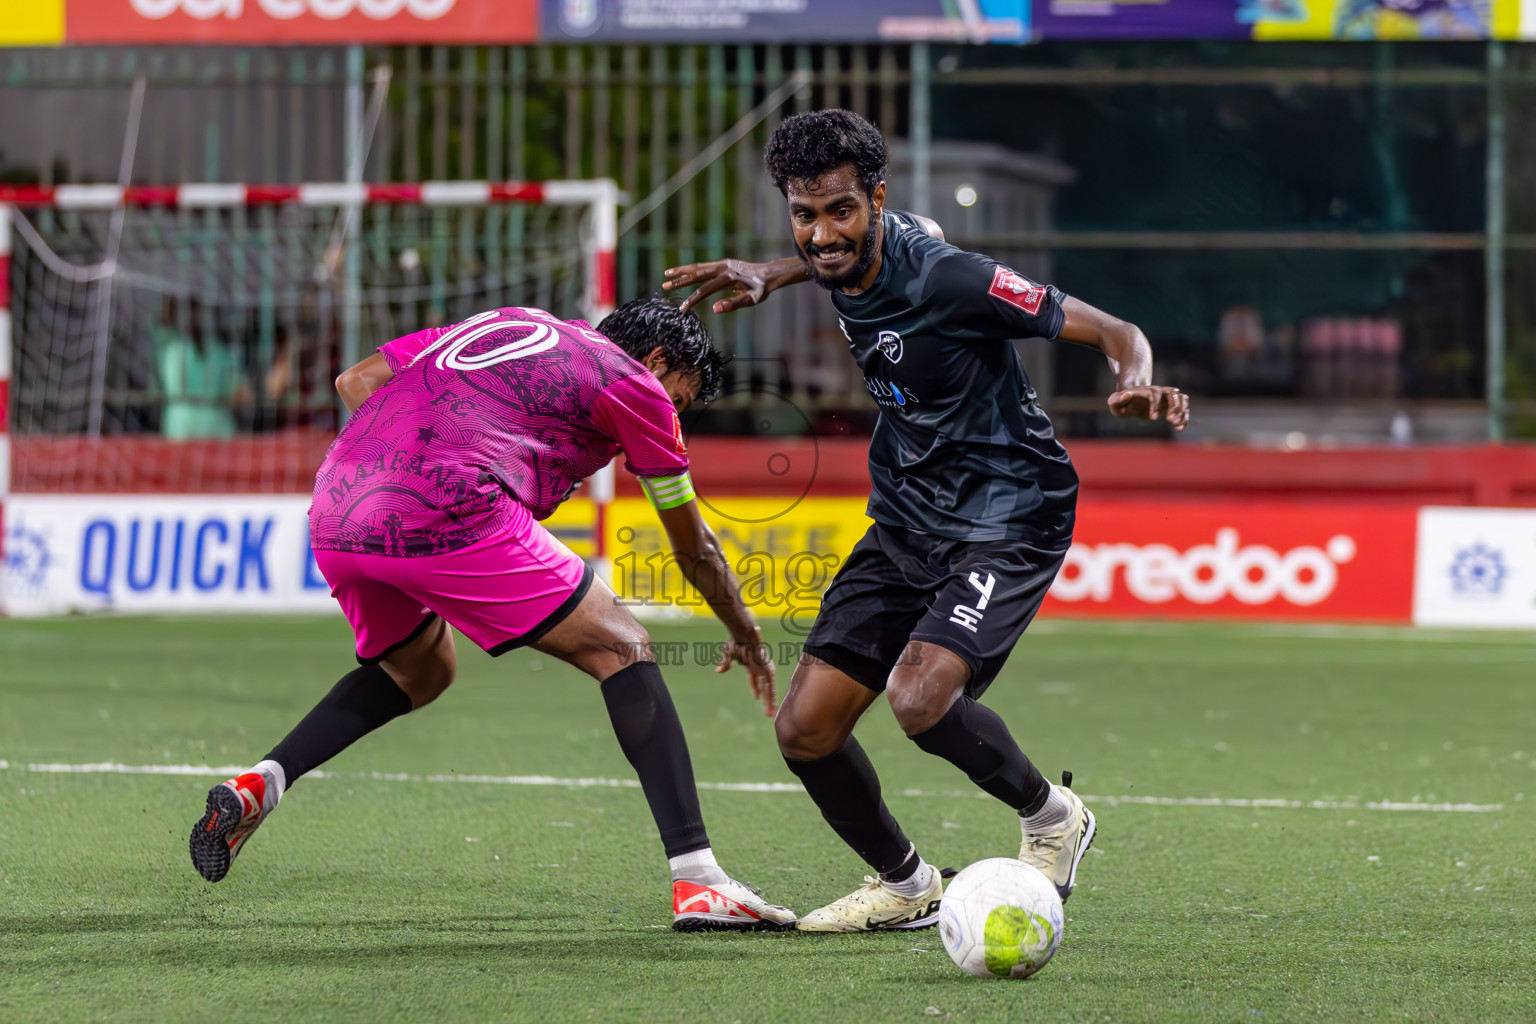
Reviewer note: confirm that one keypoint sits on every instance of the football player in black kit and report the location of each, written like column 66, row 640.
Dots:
column 971, row 495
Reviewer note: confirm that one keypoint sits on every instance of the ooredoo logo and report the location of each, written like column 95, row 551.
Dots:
column 1254, row 574
column 378, row 10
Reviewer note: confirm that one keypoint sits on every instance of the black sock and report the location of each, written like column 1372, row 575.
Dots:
column 361, row 702
column 847, row 790
column 974, row 739
column 646, row 723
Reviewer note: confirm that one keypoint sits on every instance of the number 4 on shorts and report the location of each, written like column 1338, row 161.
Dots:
column 965, row 615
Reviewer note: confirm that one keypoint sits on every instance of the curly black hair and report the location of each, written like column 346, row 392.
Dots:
column 806, row 146
column 640, row 325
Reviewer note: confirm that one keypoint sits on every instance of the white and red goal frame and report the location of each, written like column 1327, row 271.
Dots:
column 600, row 197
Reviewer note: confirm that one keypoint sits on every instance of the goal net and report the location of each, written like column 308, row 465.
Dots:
column 185, row 339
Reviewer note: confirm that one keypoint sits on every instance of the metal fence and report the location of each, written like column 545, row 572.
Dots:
column 1460, row 288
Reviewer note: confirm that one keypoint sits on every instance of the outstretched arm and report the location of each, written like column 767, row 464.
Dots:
column 1130, row 359
column 703, row 563
column 357, row 383
column 750, row 283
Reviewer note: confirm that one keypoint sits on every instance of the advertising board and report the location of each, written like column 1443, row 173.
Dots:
column 784, row 553
column 302, row 21
column 759, row 21
column 184, row 553
column 1142, row 19
column 66, row 553
column 1476, row 567
column 1439, row 566
column 1388, row 19
column 31, row 22
column 1324, row 563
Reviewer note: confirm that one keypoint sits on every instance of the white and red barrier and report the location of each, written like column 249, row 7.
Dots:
column 5, row 374
column 600, row 195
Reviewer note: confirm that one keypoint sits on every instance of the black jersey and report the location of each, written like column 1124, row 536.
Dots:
column 962, row 449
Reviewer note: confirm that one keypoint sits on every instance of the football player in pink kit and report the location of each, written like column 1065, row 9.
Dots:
column 426, row 514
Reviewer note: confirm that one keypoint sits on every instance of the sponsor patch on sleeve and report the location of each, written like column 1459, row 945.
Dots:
column 677, row 434
column 1017, row 291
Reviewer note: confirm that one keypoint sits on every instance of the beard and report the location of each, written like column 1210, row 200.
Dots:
column 853, row 275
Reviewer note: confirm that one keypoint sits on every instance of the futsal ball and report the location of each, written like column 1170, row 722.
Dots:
column 1001, row 918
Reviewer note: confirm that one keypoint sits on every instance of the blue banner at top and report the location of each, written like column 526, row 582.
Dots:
column 1021, row 21
column 767, row 21
column 1150, row 19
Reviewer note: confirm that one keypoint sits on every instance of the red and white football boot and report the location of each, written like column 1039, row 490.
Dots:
column 728, row 906
column 235, row 808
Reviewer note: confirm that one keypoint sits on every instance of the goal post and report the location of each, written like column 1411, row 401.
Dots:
column 182, row 339
column 5, row 367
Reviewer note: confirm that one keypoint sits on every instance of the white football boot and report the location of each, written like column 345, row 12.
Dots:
column 1058, row 851
column 876, row 907
column 235, row 808
column 730, row 906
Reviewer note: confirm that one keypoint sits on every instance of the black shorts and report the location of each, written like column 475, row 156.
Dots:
column 899, row 585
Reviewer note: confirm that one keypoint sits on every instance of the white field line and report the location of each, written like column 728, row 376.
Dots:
column 1321, row 805
column 225, row 771
column 1282, row 631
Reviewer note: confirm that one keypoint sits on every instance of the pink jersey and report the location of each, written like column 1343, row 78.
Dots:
column 512, row 405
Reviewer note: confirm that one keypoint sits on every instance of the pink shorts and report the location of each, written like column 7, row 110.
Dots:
column 502, row 592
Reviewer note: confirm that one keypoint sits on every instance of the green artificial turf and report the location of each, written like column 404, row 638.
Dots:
column 381, row 899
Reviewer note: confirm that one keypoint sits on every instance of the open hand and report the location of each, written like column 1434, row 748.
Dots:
column 757, row 659
column 749, row 283
column 1151, row 402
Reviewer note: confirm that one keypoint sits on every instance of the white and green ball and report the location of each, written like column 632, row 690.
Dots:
column 1001, row 918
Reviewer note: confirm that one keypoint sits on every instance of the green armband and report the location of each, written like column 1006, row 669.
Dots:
column 668, row 491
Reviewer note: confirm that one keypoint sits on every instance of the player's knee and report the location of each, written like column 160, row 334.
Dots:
column 626, row 647
column 917, row 705
column 787, row 732
column 426, row 667
column 427, row 690
column 634, row 645
column 621, row 648
column 430, row 679
column 801, row 741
